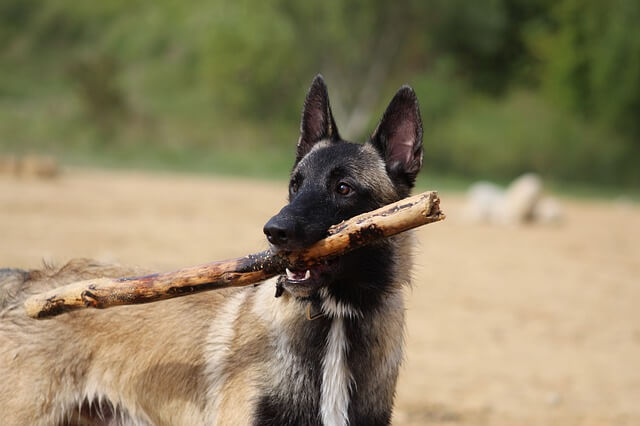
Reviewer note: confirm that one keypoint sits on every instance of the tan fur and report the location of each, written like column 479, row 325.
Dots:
column 374, row 175
column 185, row 361
column 147, row 359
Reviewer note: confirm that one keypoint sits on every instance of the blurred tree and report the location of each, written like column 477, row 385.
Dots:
column 96, row 79
column 590, row 56
column 505, row 85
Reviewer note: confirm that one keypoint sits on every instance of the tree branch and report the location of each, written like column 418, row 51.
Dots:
column 344, row 237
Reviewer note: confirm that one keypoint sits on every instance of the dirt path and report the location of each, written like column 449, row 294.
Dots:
column 526, row 326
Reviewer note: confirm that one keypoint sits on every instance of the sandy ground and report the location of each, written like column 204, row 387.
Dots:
column 506, row 326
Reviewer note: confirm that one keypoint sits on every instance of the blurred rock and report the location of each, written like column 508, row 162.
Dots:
column 9, row 165
column 520, row 200
column 482, row 199
column 40, row 166
column 44, row 167
column 520, row 203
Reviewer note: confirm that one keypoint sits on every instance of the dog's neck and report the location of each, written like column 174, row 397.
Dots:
column 361, row 289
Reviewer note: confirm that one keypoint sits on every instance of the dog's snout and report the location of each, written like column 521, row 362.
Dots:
column 277, row 231
column 298, row 225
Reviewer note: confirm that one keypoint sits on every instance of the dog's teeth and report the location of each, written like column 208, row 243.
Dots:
column 297, row 276
column 290, row 274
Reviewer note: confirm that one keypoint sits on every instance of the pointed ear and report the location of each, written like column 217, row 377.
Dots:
column 317, row 121
column 398, row 137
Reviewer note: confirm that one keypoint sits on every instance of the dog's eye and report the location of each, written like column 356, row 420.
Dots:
column 294, row 186
column 343, row 188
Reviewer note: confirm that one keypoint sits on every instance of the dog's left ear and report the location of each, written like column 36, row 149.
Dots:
column 317, row 121
column 398, row 137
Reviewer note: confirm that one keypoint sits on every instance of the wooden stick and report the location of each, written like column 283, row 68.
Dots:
column 346, row 236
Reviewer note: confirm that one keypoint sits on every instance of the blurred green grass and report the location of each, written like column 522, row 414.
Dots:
column 54, row 122
column 212, row 87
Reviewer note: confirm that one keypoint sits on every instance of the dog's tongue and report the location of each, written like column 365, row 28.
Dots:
column 298, row 275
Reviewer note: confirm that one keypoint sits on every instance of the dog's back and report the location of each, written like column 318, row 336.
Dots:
column 144, row 363
column 11, row 282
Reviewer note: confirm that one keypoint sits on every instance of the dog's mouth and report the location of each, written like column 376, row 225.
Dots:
column 298, row 277
column 313, row 273
column 303, row 282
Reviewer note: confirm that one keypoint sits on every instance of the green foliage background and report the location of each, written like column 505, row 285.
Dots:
column 505, row 86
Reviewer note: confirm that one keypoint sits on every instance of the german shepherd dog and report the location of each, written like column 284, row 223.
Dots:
column 325, row 351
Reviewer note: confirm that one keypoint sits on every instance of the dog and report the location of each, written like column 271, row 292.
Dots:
column 325, row 351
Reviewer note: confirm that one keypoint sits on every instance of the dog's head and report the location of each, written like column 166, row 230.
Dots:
column 333, row 180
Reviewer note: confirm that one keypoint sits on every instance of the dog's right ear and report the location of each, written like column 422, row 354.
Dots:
column 317, row 121
column 398, row 137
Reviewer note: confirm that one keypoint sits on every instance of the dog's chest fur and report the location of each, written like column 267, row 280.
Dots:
column 284, row 369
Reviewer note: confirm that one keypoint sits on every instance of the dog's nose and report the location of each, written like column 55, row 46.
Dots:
column 276, row 232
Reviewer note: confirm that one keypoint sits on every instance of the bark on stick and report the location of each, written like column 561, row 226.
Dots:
column 351, row 234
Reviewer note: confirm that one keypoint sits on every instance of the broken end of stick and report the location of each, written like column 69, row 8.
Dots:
column 38, row 309
column 434, row 211
column 436, row 217
column 64, row 299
